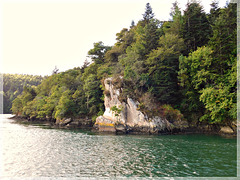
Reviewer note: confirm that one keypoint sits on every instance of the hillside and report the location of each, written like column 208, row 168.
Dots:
column 13, row 85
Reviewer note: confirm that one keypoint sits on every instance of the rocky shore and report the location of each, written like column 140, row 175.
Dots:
column 124, row 117
column 120, row 129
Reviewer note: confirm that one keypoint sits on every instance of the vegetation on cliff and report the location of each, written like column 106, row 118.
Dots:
column 188, row 63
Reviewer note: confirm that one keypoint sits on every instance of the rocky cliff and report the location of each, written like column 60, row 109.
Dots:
column 125, row 116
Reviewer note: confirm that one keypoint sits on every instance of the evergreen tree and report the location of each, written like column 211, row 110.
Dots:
column 175, row 27
column 93, row 94
column 132, row 24
column 196, row 27
column 148, row 15
column 214, row 12
column 224, row 40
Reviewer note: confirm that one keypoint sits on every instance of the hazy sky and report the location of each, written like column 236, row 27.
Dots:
column 38, row 35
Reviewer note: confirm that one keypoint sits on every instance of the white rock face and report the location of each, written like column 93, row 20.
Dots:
column 129, row 117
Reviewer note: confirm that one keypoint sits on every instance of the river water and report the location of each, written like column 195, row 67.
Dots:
column 39, row 151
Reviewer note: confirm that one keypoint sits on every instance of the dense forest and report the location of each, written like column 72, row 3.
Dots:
column 187, row 65
column 13, row 85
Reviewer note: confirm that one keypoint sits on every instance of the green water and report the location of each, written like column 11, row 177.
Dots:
column 33, row 151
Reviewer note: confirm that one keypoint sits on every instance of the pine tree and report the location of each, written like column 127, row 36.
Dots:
column 148, row 15
column 214, row 12
column 196, row 27
column 224, row 39
column 177, row 20
column 132, row 24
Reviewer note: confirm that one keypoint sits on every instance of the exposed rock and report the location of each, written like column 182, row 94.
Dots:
column 104, row 124
column 74, row 123
column 120, row 128
column 226, row 130
column 125, row 117
column 63, row 122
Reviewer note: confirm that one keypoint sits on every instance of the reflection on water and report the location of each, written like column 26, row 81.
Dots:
column 32, row 151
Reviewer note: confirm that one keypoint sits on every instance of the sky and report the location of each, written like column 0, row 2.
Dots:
column 37, row 36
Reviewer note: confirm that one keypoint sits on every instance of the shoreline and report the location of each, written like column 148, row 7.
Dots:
column 206, row 130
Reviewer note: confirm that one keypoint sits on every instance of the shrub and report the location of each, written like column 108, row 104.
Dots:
column 117, row 82
column 116, row 110
column 171, row 114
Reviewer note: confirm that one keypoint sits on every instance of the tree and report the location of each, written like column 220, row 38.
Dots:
column 48, row 108
column 177, row 20
column 150, row 36
column 205, row 93
column 22, row 101
column 194, row 75
column 86, row 63
column 17, row 106
column 55, row 70
column 98, row 52
column 224, row 40
column 93, row 94
column 148, row 15
column 196, row 27
column 220, row 104
column 163, row 68
column 146, row 38
column 13, row 86
column 132, row 24
column 66, row 107
column 214, row 12
column 80, row 102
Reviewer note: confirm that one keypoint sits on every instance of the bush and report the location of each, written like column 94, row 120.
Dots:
column 171, row 114
column 116, row 110
column 117, row 82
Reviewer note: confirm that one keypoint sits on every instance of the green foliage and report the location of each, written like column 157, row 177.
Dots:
column 197, row 67
column 62, row 95
column 175, row 27
column 208, row 75
column 214, row 12
column 116, row 110
column 170, row 113
column 98, row 52
column 196, row 27
column 163, row 67
column 220, row 103
column 93, row 93
column 13, row 85
column 124, row 39
column 194, row 74
column 224, row 40
column 17, row 106
column 188, row 63
column 65, row 106
column 202, row 84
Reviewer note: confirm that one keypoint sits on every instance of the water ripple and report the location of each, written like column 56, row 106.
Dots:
column 30, row 151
